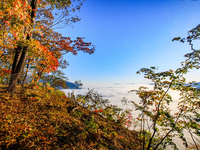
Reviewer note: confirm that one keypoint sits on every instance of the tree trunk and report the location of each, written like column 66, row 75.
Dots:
column 20, row 54
column 26, row 73
column 17, row 69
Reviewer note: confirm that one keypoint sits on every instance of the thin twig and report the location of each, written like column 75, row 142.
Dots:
column 193, row 138
column 158, row 111
column 169, row 130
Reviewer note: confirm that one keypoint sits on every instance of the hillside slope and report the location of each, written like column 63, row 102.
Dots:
column 43, row 118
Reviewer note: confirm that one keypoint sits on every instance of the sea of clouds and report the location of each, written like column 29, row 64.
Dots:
column 116, row 92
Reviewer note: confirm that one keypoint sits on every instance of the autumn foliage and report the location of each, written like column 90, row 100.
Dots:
column 36, row 116
column 29, row 45
column 44, row 118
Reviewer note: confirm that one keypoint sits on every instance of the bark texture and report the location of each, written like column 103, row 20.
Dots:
column 21, row 53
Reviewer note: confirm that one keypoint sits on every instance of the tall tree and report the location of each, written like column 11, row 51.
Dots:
column 21, row 50
column 28, row 36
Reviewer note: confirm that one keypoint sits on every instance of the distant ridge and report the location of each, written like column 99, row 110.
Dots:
column 71, row 85
column 194, row 85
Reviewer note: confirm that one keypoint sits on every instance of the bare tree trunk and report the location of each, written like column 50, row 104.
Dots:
column 20, row 54
column 26, row 73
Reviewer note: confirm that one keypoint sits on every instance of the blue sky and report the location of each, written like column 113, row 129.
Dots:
column 129, row 35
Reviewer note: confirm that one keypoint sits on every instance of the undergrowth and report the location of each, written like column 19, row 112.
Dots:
column 44, row 118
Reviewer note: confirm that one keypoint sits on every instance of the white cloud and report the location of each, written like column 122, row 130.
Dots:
column 115, row 92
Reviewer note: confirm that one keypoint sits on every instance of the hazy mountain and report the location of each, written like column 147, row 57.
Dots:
column 196, row 85
column 72, row 85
